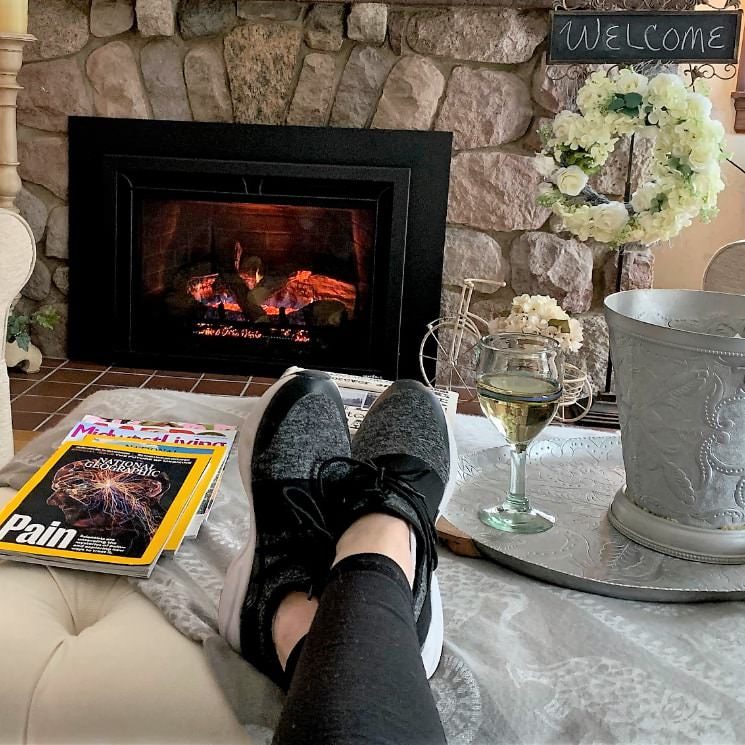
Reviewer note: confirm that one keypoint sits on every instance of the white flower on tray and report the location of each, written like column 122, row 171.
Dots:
column 540, row 314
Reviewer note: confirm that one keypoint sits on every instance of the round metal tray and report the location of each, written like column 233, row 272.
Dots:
column 576, row 480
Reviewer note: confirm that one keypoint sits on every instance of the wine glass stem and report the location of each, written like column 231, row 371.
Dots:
column 516, row 498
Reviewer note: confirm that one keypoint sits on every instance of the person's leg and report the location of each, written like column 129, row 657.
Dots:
column 406, row 455
column 292, row 453
column 358, row 677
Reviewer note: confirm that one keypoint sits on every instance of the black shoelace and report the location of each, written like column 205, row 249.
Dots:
column 366, row 480
column 376, row 481
column 305, row 507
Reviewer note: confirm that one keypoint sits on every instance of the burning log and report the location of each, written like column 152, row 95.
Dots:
column 276, row 299
column 304, row 287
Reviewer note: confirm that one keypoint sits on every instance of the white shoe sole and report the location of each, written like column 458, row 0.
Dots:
column 239, row 572
column 432, row 647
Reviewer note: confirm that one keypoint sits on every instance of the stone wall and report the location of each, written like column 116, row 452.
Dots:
column 478, row 72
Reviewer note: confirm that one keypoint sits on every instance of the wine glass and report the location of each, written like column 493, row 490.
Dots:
column 519, row 384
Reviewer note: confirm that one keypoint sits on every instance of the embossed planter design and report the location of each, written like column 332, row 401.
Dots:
column 680, row 382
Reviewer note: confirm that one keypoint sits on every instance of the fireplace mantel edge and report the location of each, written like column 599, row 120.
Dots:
column 517, row 4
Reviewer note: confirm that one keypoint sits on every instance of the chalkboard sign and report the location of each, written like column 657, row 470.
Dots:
column 641, row 36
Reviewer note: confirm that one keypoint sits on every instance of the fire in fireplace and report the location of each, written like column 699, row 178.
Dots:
column 267, row 273
column 244, row 248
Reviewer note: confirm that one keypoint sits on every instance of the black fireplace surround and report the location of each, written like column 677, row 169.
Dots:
column 248, row 248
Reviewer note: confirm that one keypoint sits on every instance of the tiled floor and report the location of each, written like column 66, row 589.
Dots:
column 41, row 399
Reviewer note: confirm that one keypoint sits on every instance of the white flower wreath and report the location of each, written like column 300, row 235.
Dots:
column 688, row 147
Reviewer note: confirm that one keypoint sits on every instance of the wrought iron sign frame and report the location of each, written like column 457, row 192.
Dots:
column 693, row 70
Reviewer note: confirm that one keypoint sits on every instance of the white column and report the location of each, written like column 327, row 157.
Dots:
column 17, row 247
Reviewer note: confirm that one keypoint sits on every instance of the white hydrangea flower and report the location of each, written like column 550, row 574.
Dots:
column 628, row 81
column 701, row 155
column 668, row 97
column 534, row 314
column 566, row 125
column 699, row 106
column 644, row 196
column 570, row 180
column 577, row 221
column 596, row 93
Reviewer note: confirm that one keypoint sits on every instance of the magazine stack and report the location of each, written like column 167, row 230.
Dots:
column 117, row 494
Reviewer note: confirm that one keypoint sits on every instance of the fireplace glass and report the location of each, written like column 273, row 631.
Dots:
column 291, row 281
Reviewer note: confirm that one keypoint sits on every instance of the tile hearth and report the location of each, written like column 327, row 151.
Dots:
column 40, row 400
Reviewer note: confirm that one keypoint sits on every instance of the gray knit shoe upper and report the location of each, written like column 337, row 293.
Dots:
column 403, row 459
column 302, row 425
column 407, row 419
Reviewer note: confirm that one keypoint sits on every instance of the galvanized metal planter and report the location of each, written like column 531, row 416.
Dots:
column 679, row 358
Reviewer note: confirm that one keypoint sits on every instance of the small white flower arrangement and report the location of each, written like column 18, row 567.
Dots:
column 688, row 148
column 540, row 314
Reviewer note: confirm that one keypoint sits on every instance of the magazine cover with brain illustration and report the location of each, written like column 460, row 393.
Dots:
column 100, row 507
column 172, row 435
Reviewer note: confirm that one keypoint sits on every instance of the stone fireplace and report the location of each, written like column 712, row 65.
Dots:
column 476, row 71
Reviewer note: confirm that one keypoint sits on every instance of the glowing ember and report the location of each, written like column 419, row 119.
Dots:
column 237, row 332
column 211, row 291
column 300, row 290
column 272, row 310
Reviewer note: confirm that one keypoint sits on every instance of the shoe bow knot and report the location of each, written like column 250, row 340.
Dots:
column 373, row 487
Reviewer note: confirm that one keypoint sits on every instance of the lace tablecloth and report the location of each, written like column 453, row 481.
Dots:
column 525, row 662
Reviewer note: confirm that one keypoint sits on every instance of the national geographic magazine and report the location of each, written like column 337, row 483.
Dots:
column 104, row 507
column 174, row 434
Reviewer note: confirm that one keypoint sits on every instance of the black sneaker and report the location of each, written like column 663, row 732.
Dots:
column 298, row 424
column 404, row 461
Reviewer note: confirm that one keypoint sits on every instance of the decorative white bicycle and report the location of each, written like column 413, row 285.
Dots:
column 448, row 355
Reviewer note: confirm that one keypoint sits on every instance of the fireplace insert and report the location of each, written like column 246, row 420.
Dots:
column 247, row 248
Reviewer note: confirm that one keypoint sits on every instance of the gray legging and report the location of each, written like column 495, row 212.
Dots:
column 358, row 677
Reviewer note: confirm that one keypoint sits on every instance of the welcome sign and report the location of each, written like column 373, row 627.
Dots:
column 640, row 36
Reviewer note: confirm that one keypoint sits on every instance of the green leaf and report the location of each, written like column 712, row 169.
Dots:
column 561, row 324
column 632, row 101
column 579, row 158
column 683, row 168
column 23, row 340
column 17, row 324
column 45, row 317
column 616, row 103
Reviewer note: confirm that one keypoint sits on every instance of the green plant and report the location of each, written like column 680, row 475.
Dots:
column 20, row 324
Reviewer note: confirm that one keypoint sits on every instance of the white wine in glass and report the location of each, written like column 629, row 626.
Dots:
column 519, row 387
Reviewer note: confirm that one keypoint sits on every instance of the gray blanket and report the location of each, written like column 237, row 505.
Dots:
column 525, row 662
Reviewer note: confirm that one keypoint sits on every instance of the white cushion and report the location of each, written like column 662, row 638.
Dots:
column 88, row 659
